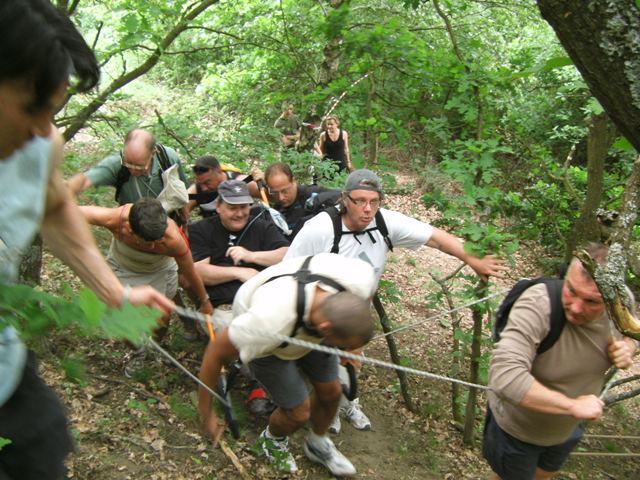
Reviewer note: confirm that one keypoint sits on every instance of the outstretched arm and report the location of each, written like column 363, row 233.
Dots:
column 67, row 234
column 79, row 183
column 218, row 351
column 484, row 267
column 347, row 152
column 194, row 281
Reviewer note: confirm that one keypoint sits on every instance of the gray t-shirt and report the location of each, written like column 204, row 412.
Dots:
column 106, row 173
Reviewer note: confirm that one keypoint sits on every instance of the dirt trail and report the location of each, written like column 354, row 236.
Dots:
column 148, row 429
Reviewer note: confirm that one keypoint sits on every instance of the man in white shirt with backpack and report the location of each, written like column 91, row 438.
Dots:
column 360, row 228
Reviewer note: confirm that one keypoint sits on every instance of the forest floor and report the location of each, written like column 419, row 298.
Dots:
column 147, row 428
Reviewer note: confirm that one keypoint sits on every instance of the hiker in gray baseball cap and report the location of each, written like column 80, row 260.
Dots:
column 363, row 229
column 235, row 192
column 363, row 179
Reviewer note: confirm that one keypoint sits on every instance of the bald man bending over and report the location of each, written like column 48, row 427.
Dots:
column 135, row 171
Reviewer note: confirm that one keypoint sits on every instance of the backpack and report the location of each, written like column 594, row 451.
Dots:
column 557, row 317
column 304, row 276
column 336, row 220
column 326, row 202
column 124, row 174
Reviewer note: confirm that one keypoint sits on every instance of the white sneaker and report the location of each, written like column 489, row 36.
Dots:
column 353, row 412
column 277, row 452
column 324, row 452
column 335, row 426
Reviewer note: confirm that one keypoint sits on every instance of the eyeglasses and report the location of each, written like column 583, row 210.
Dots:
column 198, row 170
column 361, row 202
column 283, row 191
column 135, row 166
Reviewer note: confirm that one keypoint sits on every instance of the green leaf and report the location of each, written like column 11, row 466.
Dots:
column 75, row 369
column 621, row 142
column 130, row 322
column 557, row 62
column 4, row 442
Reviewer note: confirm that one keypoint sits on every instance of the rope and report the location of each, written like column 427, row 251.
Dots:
column 335, row 104
column 438, row 315
column 184, row 369
column 604, row 454
column 608, row 385
column 334, row 351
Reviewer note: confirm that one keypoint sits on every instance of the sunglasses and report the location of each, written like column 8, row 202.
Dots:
column 198, row 170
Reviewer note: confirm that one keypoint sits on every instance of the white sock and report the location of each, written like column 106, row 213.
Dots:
column 314, row 438
column 268, row 434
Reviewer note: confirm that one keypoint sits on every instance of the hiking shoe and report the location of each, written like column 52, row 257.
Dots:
column 277, row 452
column 353, row 412
column 335, row 426
column 324, row 452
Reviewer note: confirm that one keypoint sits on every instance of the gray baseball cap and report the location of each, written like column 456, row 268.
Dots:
column 363, row 179
column 234, row 192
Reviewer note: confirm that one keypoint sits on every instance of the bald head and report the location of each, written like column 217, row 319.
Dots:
column 349, row 316
column 139, row 147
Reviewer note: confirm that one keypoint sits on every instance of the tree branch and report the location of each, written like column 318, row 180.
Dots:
column 143, row 68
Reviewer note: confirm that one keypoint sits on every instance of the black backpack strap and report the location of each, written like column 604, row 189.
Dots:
column 557, row 316
column 163, row 157
column 384, row 231
column 336, row 221
column 304, row 276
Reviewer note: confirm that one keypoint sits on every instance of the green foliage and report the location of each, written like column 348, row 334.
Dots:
column 388, row 291
column 4, row 442
column 75, row 369
column 33, row 313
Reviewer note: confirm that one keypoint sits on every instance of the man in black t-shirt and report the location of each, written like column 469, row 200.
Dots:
column 229, row 248
column 233, row 245
column 288, row 197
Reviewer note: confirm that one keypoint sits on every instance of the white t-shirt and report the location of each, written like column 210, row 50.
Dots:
column 317, row 236
column 261, row 307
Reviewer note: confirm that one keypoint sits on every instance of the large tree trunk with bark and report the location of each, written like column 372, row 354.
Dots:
column 586, row 228
column 603, row 40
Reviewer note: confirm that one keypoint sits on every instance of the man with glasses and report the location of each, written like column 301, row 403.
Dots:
column 230, row 247
column 361, row 237
column 135, row 171
column 210, row 173
column 290, row 198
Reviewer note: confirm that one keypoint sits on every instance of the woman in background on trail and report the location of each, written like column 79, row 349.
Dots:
column 334, row 144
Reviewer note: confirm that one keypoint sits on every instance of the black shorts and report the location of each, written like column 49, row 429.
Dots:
column 512, row 459
column 33, row 419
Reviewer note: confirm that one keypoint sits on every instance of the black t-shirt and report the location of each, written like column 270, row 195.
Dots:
column 209, row 238
column 295, row 214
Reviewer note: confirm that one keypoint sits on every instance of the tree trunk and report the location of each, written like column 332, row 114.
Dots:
column 601, row 37
column 586, row 228
column 393, row 352
column 474, row 374
column 332, row 52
